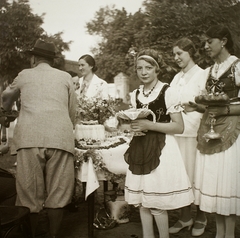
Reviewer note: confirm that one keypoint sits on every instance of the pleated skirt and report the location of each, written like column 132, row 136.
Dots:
column 217, row 181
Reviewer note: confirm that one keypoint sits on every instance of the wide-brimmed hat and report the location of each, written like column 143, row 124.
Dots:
column 42, row 48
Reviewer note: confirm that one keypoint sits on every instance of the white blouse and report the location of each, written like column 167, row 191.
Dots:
column 189, row 85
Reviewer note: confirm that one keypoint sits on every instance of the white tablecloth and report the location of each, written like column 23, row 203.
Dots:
column 114, row 161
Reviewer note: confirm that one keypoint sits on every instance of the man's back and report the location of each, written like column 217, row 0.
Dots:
column 47, row 108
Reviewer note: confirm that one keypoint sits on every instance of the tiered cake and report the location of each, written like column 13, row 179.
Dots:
column 90, row 131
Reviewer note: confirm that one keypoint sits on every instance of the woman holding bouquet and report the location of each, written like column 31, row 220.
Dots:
column 92, row 88
column 156, row 179
column 217, row 174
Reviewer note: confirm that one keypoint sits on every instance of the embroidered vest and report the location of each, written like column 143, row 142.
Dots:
column 226, row 81
column 227, row 126
column 158, row 106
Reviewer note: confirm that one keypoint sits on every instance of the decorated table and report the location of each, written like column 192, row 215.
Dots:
column 99, row 153
column 96, row 163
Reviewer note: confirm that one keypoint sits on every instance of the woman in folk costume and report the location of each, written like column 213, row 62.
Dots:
column 156, row 179
column 217, row 173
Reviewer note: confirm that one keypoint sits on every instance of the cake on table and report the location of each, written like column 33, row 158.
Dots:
column 90, row 131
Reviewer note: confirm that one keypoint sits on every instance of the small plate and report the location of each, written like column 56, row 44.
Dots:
column 134, row 113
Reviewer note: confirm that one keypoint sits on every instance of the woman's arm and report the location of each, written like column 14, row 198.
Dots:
column 192, row 106
column 175, row 126
column 229, row 110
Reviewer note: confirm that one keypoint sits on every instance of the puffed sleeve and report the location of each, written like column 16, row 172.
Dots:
column 171, row 100
column 133, row 98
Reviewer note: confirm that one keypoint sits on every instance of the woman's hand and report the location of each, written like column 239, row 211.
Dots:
column 140, row 125
column 192, row 106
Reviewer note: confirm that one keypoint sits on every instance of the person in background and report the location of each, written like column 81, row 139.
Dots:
column 75, row 79
column 76, row 83
column 90, row 84
column 43, row 136
column 217, row 173
column 189, row 82
column 156, row 180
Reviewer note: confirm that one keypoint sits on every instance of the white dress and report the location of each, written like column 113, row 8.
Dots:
column 217, row 176
column 166, row 187
column 189, row 85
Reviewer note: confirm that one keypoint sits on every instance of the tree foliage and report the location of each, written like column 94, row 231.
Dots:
column 20, row 29
column 158, row 25
column 116, row 29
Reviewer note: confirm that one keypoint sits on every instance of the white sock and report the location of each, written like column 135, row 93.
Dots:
column 220, row 226
column 161, row 218
column 230, row 222
column 147, row 222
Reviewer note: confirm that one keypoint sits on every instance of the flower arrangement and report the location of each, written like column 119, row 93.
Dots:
column 94, row 109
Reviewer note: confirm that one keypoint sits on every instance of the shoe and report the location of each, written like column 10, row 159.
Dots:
column 199, row 231
column 173, row 229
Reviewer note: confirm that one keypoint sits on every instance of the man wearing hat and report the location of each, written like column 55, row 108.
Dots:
column 43, row 137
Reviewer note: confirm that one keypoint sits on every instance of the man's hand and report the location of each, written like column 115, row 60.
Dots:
column 4, row 148
column 7, row 116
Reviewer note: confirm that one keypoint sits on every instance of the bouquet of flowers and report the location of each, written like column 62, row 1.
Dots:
column 94, row 109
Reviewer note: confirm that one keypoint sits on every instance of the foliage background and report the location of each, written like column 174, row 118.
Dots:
column 19, row 30
column 158, row 24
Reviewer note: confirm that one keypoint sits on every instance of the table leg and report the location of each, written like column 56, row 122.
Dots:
column 105, row 186
column 115, row 186
column 90, row 201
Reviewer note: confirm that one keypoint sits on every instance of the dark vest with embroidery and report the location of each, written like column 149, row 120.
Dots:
column 227, row 126
column 143, row 154
column 158, row 106
column 225, row 83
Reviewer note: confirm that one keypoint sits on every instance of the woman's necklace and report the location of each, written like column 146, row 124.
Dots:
column 219, row 65
column 147, row 94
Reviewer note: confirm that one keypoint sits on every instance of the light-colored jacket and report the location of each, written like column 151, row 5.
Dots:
column 48, row 106
column 98, row 88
